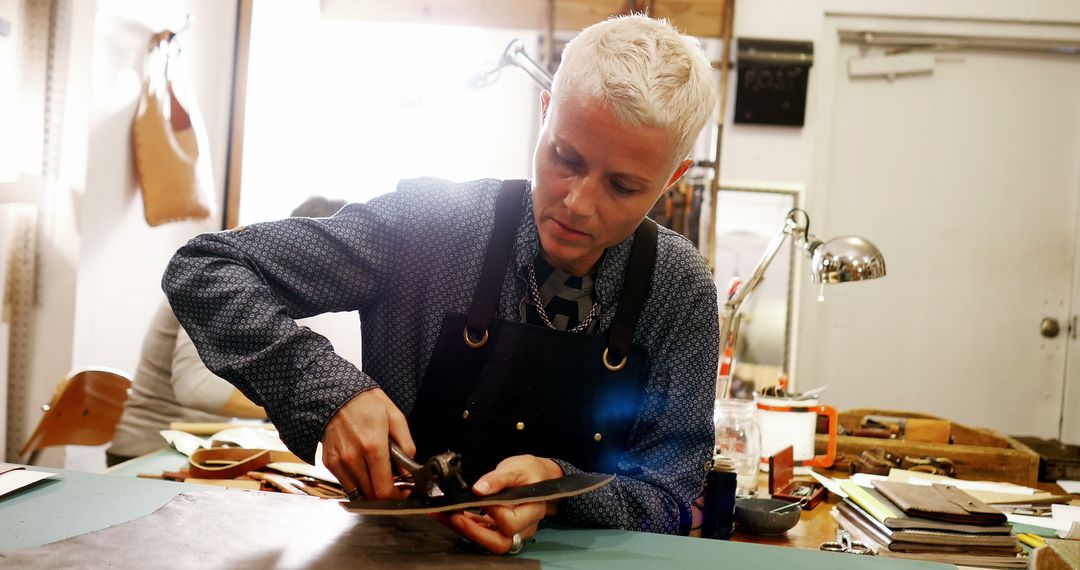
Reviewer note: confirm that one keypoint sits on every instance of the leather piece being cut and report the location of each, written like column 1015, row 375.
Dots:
column 566, row 486
column 254, row 530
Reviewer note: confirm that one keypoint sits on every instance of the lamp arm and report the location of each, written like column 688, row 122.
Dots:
column 743, row 292
column 515, row 55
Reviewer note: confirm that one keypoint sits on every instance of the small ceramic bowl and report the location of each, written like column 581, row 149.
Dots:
column 755, row 516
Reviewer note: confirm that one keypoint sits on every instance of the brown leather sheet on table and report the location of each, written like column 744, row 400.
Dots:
column 248, row 529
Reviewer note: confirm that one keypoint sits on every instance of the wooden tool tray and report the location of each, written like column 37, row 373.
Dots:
column 976, row 453
column 1059, row 460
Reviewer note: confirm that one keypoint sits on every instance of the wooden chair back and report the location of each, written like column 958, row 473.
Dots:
column 84, row 410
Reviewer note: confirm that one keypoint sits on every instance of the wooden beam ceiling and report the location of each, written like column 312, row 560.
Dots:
column 702, row 18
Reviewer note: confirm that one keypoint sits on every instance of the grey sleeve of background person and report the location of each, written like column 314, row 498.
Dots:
column 238, row 293
column 194, row 384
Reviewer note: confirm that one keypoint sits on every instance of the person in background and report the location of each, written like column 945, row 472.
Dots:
column 540, row 328
column 172, row 385
column 317, row 207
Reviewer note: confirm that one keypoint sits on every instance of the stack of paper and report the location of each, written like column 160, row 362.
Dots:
column 928, row 523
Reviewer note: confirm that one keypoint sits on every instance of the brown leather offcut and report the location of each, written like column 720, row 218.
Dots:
column 231, row 463
column 169, row 143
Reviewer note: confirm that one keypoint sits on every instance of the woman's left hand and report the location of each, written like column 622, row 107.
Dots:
column 494, row 530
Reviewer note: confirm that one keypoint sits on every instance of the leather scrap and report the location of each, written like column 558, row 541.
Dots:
column 231, row 463
column 566, row 486
column 940, row 503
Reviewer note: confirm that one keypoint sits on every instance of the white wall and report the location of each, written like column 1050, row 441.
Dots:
column 785, row 155
column 99, row 264
column 122, row 258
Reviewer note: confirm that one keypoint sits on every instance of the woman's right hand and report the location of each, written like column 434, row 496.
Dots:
column 356, row 445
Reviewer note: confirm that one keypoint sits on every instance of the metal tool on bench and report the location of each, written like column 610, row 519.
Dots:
column 844, row 543
column 439, row 477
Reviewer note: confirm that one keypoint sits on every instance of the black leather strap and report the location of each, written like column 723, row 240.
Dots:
column 635, row 289
column 488, row 290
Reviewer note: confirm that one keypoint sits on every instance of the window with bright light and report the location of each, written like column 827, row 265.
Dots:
column 345, row 109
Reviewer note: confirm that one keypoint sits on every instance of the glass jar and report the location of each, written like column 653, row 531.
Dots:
column 738, row 438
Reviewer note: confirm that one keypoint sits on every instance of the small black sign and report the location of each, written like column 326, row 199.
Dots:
column 772, row 80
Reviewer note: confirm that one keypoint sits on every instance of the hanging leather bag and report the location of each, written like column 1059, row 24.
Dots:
column 172, row 162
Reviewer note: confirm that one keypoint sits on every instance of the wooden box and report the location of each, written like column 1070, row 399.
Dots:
column 977, row 453
column 783, row 486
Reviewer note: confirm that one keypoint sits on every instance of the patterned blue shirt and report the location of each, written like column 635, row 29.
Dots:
column 406, row 259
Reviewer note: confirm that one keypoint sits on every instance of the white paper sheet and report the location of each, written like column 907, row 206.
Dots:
column 916, row 478
column 1070, row 520
column 246, row 437
column 867, row 479
column 1041, row 522
column 317, row 471
column 184, row 442
column 1070, row 487
column 1065, row 521
column 250, row 438
column 829, row 483
column 18, row 478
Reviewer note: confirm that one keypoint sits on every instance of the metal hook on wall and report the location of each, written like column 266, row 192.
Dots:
column 637, row 7
column 164, row 40
column 167, row 36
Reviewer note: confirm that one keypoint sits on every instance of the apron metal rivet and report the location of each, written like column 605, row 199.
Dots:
column 465, row 415
column 520, row 426
column 597, row 437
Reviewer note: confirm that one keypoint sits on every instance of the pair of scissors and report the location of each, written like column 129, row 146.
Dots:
column 844, row 543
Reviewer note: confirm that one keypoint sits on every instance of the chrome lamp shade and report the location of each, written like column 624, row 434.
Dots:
column 846, row 258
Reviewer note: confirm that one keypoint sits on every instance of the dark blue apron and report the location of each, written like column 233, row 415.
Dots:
column 496, row 388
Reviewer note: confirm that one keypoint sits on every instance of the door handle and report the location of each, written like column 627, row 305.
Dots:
column 1049, row 327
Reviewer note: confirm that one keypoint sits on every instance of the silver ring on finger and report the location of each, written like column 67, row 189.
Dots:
column 353, row 494
column 516, row 544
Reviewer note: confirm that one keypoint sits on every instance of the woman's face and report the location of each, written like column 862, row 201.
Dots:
column 594, row 180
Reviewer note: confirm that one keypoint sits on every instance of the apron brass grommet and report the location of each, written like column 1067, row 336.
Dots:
column 520, row 426
column 608, row 365
column 475, row 344
column 597, row 437
column 465, row 415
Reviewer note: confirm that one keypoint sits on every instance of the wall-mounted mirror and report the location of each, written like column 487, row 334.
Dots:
column 748, row 217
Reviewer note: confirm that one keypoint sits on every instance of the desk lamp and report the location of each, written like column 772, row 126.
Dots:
column 839, row 260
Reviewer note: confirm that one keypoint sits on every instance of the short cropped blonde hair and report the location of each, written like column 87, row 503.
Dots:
column 645, row 72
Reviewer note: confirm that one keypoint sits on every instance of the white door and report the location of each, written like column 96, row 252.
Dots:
column 967, row 178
